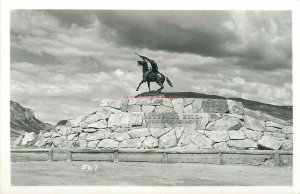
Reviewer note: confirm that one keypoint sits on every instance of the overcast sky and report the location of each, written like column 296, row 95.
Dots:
column 64, row 62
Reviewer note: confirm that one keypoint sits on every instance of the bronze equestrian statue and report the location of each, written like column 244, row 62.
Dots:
column 152, row 74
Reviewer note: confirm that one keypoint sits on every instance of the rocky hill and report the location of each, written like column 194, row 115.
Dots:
column 23, row 120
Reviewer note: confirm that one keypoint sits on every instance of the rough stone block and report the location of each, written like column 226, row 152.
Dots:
column 134, row 108
column 190, row 146
column 141, row 132
column 89, row 130
column 76, row 130
column 225, row 124
column 186, row 136
column 287, row 129
column 221, row 146
column 124, row 104
column 267, row 133
column 77, row 121
column 150, row 142
column 289, row 136
column 163, row 109
column 188, row 101
column 279, row 136
column 287, row 145
column 273, row 129
column 63, row 130
column 58, row 141
column 201, row 141
column 96, row 116
column 157, row 101
column 96, row 135
column 197, row 105
column 92, row 144
column 167, row 102
column 236, row 134
column 167, row 140
column 272, row 124
column 217, row 116
column 242, row 144
column 82, row 144
column 214, row 106
column 114, row 120
column 120, row 136
column 179, row 132
column 29, row 139
column 45, row 142
column 115, row 104
column 235, row 107
column 241, row 117
column 131, row 143
column 217, row 136
column 98, row 124
column 157, row 132
column 188, row 109
column 137, row 118
column 82, row 136
column 108, row 143
column 132, row 101
column 144, row 101
column 148, row 108
column 106, row 102
column 269, row 142
column 253, row 135
column 73, row 137
column 178, row 105
column 252, row 113
column 254, row 124
column 125, row 120
column 18, row 141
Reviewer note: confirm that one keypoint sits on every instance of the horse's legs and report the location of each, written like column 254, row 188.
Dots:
column 161, row 87
column 139, row 85
column 148, row 85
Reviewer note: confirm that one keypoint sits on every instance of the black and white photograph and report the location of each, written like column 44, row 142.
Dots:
column 126, row 97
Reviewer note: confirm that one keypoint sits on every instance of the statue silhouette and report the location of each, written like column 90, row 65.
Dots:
column 152, row 74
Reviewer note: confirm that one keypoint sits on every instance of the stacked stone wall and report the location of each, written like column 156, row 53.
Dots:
column 165, row 123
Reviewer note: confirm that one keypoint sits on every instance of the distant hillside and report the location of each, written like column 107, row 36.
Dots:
column 282, row 112
column 23, row 120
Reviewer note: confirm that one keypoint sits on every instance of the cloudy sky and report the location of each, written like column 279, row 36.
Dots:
column 64, row 62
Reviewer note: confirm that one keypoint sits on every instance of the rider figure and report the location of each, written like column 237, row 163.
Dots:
column 154, row 68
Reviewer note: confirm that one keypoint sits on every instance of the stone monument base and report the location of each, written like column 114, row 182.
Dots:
column 154, row 122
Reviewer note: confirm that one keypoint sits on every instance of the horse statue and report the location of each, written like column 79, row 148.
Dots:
column 152, row 74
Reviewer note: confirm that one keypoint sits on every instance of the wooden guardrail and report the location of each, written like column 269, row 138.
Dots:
column 274, row 153
column 49, row 151
column 165, row 153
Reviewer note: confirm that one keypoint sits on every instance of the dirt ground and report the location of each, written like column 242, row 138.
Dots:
column 146, row 174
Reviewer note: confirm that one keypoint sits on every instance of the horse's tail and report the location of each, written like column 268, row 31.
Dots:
column 169, row 82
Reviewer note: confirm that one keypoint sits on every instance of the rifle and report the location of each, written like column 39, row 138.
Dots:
column 140, row 56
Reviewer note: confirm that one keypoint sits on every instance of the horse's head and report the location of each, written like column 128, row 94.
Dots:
column 142, row 63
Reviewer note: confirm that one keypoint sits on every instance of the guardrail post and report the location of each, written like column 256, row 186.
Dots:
column 69, row 155
column 50, row 155
column 165, row 157
column 116, row 157
column 276, row 158
column 221, row 161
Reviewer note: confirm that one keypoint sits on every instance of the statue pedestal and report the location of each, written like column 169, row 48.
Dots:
column 151, row 121
column 151, row 94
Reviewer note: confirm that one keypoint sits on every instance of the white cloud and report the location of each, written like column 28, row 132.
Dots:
column 85, row 63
